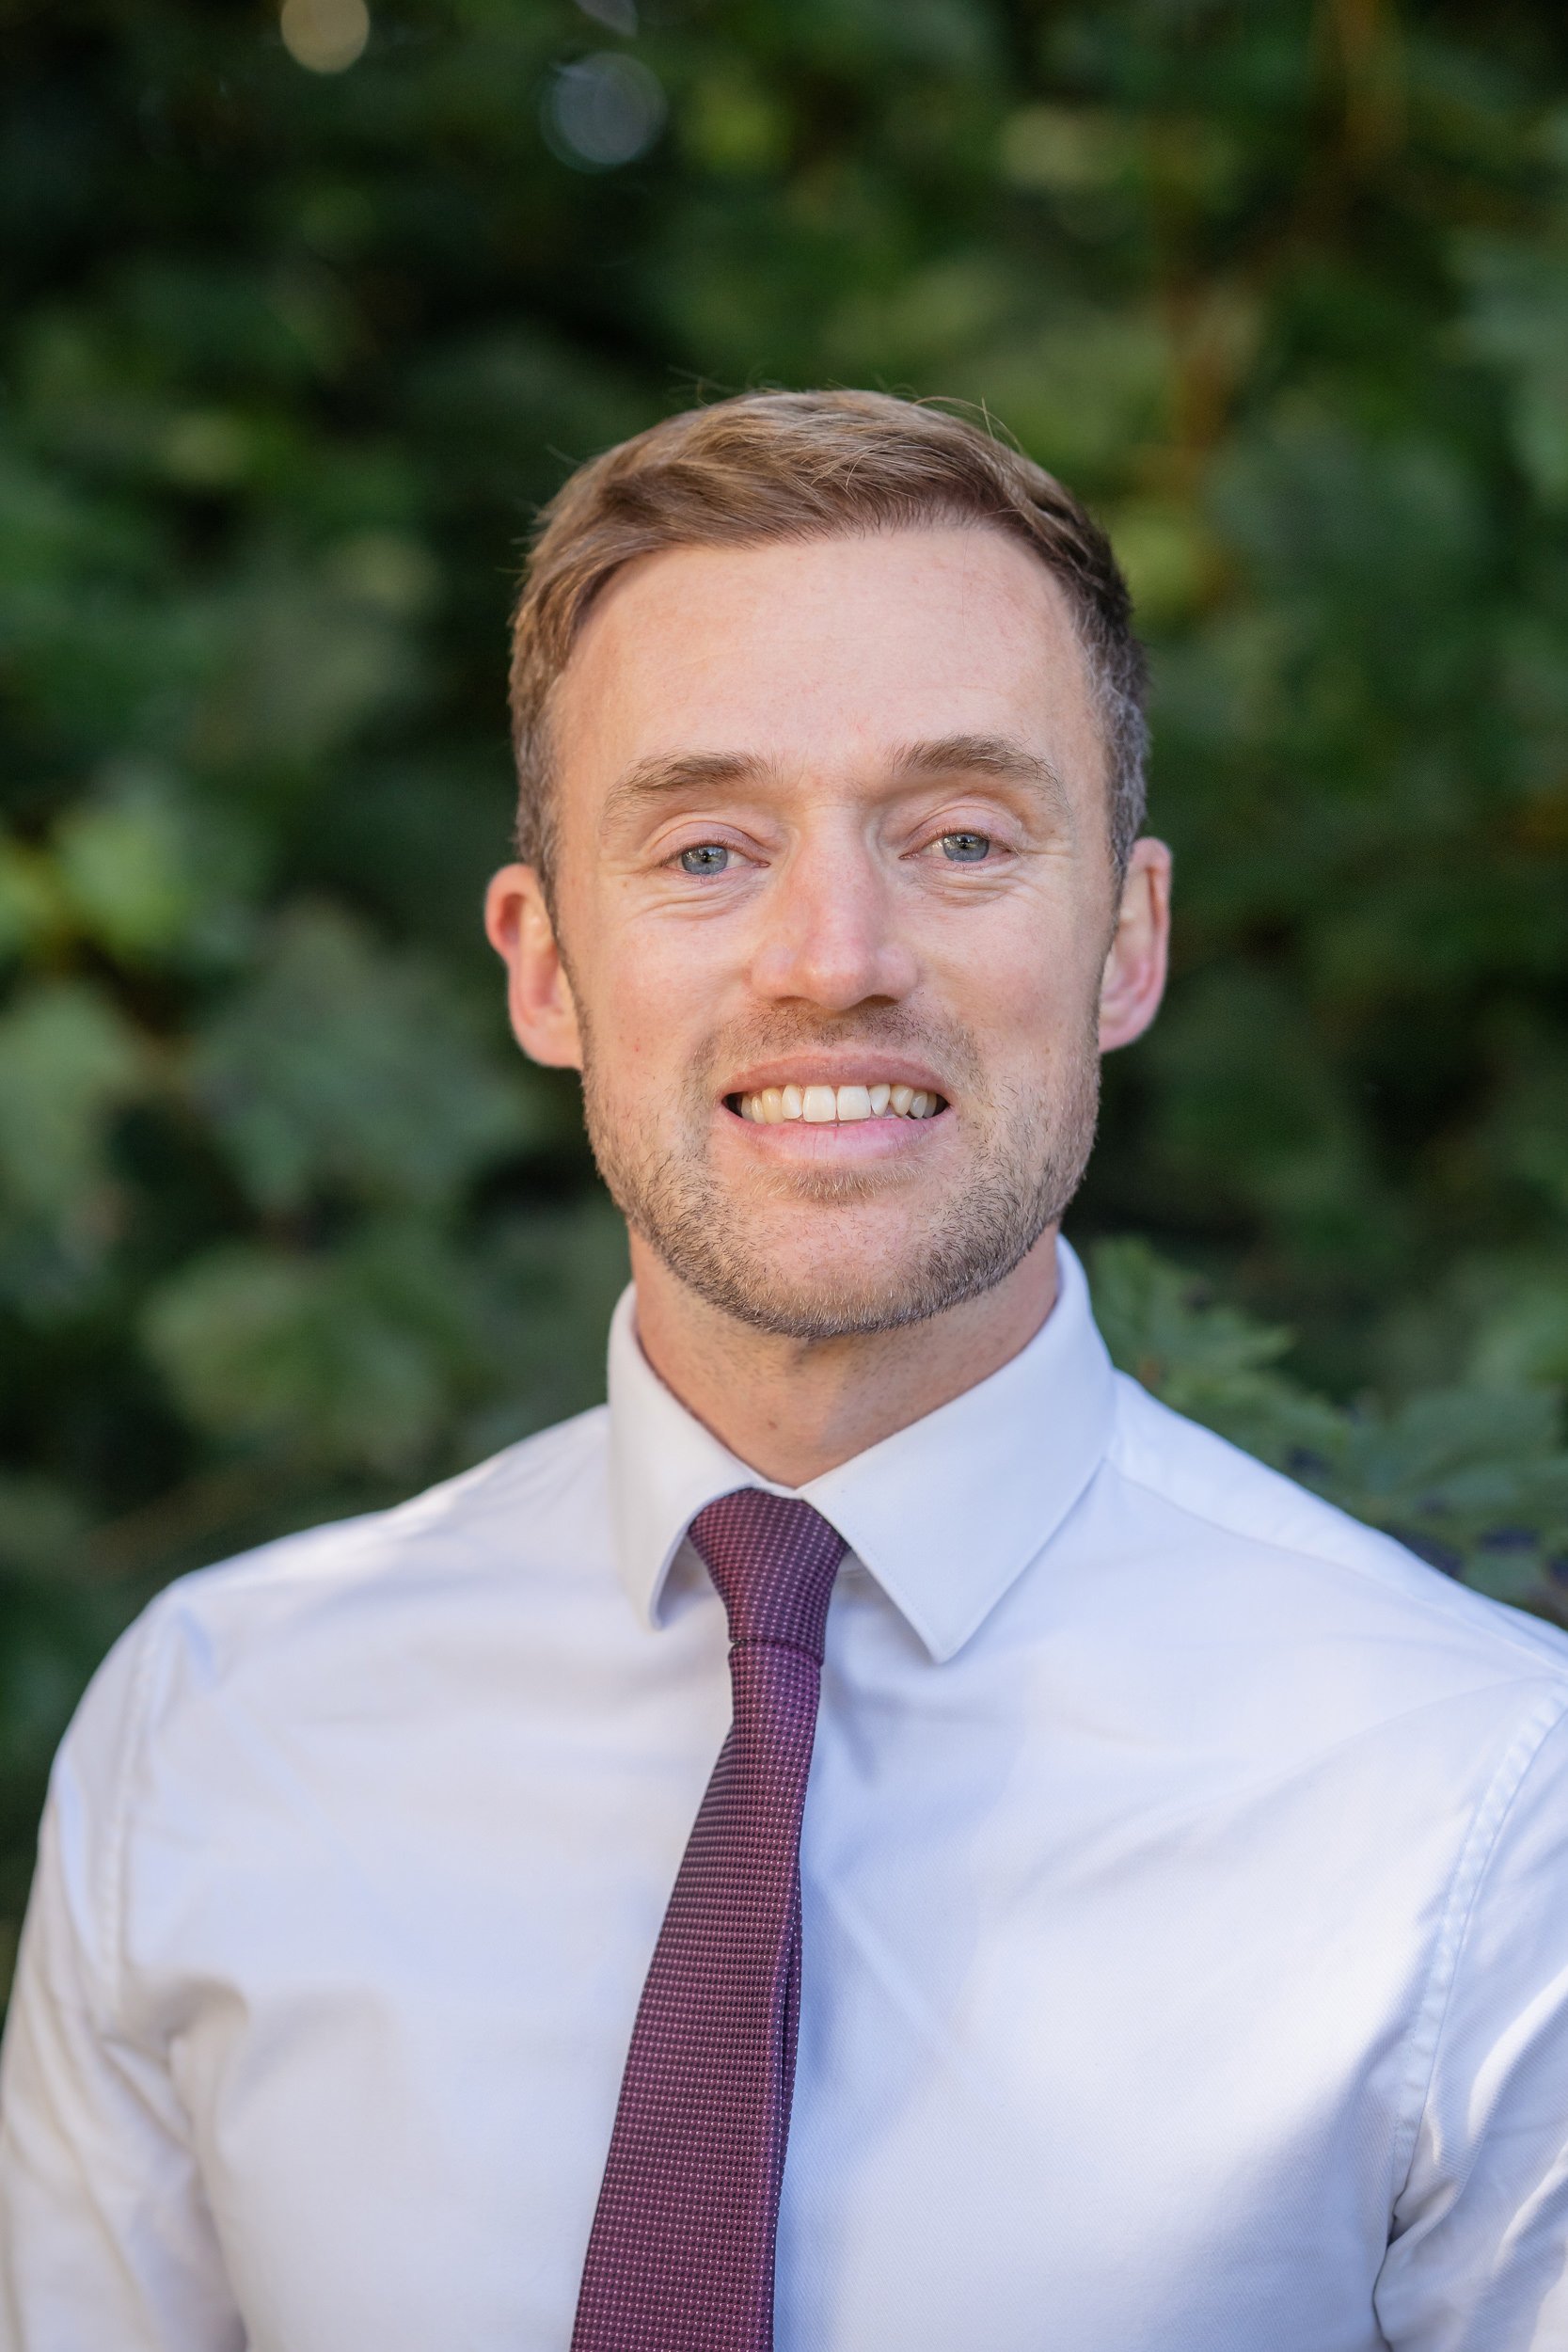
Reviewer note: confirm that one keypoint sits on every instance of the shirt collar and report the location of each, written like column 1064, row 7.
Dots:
column 945, row 1514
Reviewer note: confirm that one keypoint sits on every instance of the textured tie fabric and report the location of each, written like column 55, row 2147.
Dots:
column 681, row 2255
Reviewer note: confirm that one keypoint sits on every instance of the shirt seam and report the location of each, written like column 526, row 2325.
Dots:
column 111, row 1919
column 1465, row 1883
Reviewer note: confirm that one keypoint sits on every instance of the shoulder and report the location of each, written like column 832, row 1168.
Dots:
column 1281, row 1555
column 332, row 1594
column 522, row 1499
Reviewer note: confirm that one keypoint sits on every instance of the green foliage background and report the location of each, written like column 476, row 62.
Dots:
column 287, row 360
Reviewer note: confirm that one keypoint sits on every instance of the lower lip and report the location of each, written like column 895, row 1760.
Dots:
column 836, row 1140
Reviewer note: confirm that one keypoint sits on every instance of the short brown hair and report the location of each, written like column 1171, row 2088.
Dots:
column 774, row 466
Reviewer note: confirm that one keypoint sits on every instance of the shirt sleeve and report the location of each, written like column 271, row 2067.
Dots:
column 1479, row 2259
column 105, row 2237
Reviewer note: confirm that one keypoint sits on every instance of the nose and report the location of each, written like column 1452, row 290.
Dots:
column 829, row 936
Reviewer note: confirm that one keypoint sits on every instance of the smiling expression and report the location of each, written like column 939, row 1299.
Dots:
column 833, row 901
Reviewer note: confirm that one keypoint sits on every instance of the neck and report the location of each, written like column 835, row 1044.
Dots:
column 793, row 1409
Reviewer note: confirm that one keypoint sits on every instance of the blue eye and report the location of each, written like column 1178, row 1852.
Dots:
column 965, row 849
column 709, row 857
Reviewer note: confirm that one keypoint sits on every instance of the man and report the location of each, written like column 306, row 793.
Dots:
column 1128, row 1911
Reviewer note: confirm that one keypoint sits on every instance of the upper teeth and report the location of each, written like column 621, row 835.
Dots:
column 820, row 1105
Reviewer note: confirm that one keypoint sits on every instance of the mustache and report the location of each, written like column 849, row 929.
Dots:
column 946, row 1045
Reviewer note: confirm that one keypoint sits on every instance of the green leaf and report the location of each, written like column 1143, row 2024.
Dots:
column 147, row 873
column 68, row 1063
column 345, row 1068
column 347, row 1359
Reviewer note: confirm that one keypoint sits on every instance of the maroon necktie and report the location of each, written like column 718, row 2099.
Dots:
column 681, row 2255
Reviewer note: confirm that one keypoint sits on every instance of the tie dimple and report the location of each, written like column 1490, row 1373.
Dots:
column 681, row 2254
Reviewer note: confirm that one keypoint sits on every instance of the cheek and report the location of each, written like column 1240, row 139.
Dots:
column 650, row 1012
column 1026, row 982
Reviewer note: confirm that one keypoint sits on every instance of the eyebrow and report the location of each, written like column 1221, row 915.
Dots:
column 670, row 772
column 667, row 775
column 996, row 755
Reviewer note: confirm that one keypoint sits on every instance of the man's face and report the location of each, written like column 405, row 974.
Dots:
column 831, row 834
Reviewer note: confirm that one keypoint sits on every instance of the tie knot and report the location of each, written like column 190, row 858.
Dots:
column 772, row 1560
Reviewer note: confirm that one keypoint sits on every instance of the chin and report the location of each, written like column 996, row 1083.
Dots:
column 866, row 1260
column 838, row 1295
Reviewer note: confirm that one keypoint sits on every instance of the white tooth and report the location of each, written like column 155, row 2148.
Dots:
column 880, row 1100
column 901, row 1097
column 818, row 1106
column 749, row 1106
column 917, row 1106
column 772, row 1105
column 792, row 1101
column 854, row 1103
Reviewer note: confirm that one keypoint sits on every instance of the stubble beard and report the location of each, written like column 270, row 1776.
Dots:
column 1026, row 1158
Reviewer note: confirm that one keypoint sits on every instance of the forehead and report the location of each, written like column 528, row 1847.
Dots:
column 821, row 651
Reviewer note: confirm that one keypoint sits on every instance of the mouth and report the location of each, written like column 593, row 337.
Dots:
column 815, row 1106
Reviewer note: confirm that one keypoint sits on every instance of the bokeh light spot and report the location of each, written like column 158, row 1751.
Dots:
column 603, row 110
column 325, row 35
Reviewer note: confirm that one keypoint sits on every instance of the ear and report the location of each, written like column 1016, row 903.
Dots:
column 538, row 993
column 1134, row 976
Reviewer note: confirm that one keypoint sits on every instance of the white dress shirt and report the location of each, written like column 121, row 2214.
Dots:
column 1185, row 1896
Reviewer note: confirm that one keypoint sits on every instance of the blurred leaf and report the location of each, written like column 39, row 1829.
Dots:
column 348, row 1358
column 67, row 1060
column 1068, row 149
column 303, row 664
column 344, row 1067
column 1081, row 391
column 32, row 909
column 42, row 1527
column 1205, row 1359
column 147, row 873
column 68, row 1064
column 1519, row 319
column 733, row 123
